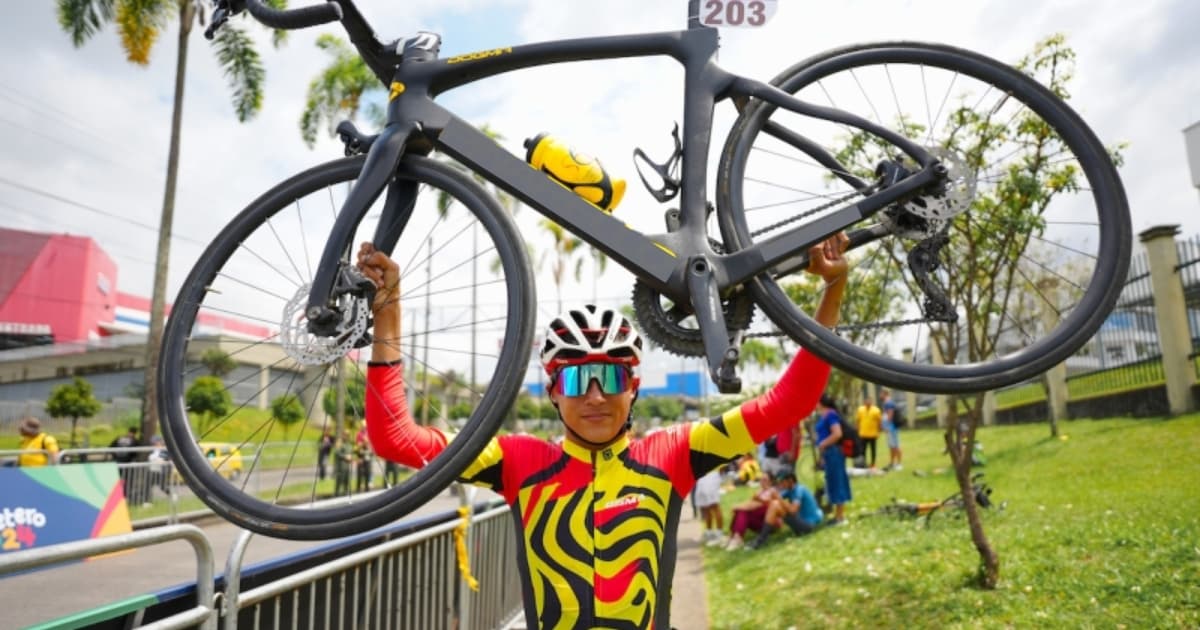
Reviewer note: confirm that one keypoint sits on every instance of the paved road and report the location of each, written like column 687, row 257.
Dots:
column 53, row 593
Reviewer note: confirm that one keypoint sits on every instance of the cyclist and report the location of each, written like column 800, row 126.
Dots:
column 597, row 514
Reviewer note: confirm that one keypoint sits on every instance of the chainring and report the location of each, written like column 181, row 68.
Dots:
column 663, row 326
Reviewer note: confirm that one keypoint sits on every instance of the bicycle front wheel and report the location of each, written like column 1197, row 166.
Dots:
column 246, row 393
column 1003, row 272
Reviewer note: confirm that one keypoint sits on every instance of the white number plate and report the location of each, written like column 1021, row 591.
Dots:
column 736, row 13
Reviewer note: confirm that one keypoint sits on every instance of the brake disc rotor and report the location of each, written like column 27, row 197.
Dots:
column 309, row 349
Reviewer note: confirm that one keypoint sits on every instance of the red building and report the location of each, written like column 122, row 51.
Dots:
column 58, row 288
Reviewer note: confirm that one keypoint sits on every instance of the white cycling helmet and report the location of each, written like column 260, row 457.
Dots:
column 582, row 335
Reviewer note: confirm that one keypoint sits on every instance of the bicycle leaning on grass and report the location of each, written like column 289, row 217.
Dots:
column 912, row 149
column 950, row 506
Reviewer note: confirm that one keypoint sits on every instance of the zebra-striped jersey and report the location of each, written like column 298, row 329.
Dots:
column 597, row 528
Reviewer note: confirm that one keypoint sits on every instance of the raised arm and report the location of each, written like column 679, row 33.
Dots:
column 795, row 394
column 390, row 426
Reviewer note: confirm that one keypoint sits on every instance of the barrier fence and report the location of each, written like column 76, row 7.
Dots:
column 1189, row 275
column 1125, row 352
column 405, row 576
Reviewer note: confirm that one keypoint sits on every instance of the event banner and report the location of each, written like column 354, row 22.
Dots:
column 45, row 505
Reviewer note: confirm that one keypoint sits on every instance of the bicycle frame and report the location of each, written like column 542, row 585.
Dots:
column 681, row 264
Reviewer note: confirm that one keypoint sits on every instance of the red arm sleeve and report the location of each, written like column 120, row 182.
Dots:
column 790, row 400
column 393, row 434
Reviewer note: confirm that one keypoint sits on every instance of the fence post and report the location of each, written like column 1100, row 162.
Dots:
column 910, row 398
column 1170, row 314
column 1056, row 377
column 989, row 408
column 941, row 401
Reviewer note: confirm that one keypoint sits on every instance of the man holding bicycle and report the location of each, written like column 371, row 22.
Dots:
column 597, row 514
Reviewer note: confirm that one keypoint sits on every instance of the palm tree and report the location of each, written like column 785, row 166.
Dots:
column 566, row 247
column 139, row 23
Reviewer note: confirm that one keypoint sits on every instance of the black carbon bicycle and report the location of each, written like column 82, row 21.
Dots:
column 920, row 152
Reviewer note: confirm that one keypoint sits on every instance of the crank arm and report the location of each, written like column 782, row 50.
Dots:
column 706, row 302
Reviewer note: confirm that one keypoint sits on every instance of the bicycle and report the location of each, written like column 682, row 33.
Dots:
column 903, row 199
column 951, row 505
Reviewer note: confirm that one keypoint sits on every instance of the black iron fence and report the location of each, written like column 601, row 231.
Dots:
column 1189, row 275
column 1125, row 352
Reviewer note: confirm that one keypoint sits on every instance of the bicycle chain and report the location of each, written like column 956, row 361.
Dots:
column 864, row 193
column 850, row 327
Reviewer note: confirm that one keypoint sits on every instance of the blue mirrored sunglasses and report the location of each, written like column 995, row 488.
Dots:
column 574, row 380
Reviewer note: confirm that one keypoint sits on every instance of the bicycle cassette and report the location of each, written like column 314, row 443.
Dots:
column 665, row 324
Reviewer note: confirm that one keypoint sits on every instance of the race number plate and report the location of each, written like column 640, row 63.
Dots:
column 736, row 13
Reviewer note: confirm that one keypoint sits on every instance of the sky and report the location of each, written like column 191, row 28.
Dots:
column 84, row 133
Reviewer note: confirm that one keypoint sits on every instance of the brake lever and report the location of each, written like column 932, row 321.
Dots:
column 219, row 17
column 224, row 10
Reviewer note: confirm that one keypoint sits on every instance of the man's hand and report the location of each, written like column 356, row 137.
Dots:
column 385, row 273
column 825, row 259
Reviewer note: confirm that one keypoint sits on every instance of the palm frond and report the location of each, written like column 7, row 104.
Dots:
column 139, row 23
column 243, row 69
column 83, row 18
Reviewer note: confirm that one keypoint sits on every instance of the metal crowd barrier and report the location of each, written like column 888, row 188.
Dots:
column 203, row 615
column 405, row 576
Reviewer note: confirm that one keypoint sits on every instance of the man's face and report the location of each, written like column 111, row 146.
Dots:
column 594, row 416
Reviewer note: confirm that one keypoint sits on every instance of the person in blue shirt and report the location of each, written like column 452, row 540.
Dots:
column 796, row 506
column 830, row 457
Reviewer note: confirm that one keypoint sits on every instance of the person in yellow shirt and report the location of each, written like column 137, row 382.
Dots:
column 869, row 418
column 748, row 470
column 42, row 447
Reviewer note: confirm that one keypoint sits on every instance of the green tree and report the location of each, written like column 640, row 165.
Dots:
column 72, row 400
column 217, row 362
column 287, row 410
column 666, row 408
column 208, row 398
column 564, row 251
column 1004, row 220
column 139, row 24
column 352, row 401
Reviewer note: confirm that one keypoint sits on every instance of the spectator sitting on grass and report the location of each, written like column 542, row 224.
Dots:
column 796, row 506
column 750, row 515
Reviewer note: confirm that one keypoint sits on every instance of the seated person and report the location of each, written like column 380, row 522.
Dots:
column 796, row 506
column 751, row 514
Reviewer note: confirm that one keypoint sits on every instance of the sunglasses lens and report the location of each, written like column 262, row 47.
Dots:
column 574, row 380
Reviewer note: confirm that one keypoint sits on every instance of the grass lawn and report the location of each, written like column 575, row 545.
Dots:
column 1101, row 530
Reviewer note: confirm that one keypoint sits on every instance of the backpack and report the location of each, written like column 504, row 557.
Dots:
column 897, row 418
column 851, row 443
column 771, row 447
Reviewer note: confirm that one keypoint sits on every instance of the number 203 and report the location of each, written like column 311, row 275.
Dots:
column 734, row 13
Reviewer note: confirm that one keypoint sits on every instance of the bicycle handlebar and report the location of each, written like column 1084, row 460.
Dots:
column 291, row 19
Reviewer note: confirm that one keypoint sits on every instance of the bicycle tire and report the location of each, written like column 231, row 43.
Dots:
column 241, row 261
column 870, row 354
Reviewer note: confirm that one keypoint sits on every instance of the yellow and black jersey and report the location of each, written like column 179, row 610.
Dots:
column 598, row 527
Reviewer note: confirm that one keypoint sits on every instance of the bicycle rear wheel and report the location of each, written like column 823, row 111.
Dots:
column 241, row 377
column 1035, row 221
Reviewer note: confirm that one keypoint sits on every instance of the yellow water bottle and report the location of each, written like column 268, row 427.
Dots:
column 579, row 172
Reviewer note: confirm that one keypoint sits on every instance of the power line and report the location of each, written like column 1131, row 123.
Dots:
column 120, row 253
column 84, row 206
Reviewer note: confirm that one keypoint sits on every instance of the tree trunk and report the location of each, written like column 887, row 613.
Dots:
column 74, row 424
column 187, row 14
column 960, row 444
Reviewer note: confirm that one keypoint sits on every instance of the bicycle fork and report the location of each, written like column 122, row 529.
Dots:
column 335, row 277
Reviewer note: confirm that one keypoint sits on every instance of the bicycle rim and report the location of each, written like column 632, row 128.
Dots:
column 1035, row 216
column 466, row 293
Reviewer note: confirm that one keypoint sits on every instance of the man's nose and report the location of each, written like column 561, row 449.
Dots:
column 593, row 391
